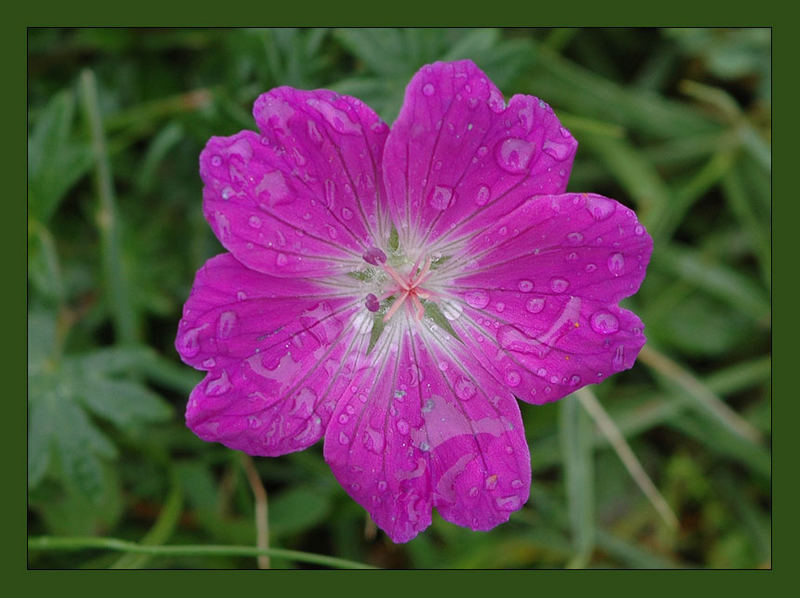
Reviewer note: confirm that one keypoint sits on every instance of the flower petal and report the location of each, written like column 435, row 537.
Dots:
column 337, row 143
column 540, row 292
column 277, row 353
column 424, row 425
column 456, row 156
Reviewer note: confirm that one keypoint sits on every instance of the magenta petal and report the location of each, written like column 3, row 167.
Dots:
column 276, row 352
column 425, row 425
column 541, row 292
column 333, row 143
column 264, row 213
column 456, row 156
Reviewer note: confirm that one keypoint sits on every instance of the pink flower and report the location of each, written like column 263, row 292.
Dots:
column 393, row 291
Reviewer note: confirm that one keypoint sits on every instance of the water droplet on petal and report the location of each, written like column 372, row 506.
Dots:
column 330, row 192
column 559, row 151
column 478, row 299
column 600, row 207
column 347, row 214
column 495, row 101
column 402, row 426
column 616, row 264
column 482, row 196
column 452, row 310
column 227, row 192
column 441, row 197
column 227, row 320
column 343, row 438
column 465, row 389
column 513, row 378
column 517, row 483
column 559, row 285
column 604, row 322
column 526, row 286
column 428, row 89
column 281, row 260
column 254, row 221
column 575, row 380
column 638, row 230
column 575, row 238
column 619, row 358
column 491, row 482
column 535, row 304
column 216, row 161
column 513, row 155
column 508, row 503
column 473, row 492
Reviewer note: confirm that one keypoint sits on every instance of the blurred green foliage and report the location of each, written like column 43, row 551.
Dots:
column 674, row 123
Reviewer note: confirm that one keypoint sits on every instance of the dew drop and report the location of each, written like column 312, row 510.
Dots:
column 254, row 222
column 452, row 310
column 616, row 264
column 477, row 299
column 559, row 151
column 473, row 492
column 535, row 305
column 227, row 320
column 600, row 207
column 281, row 260
column 465, row 389
column 491, row 482
column 482, row 196
column 590, row 267
column 517, row 484
column 604, row 322
column 508, row 503
column 513, row 155
column 216, row 161
column 575, row 238
column 190, row 346
column 526, row 286
column 638, row 230
column 428, row 89
column 402, row 426
column 559, row 285
column 619, row 358
column 513, row 378
column 330, row 192
column 227, row 192
column 441, row 197
column 347, row 214
column 495, row 101
column 382, row 486
column 575, row 380
column 343, row 438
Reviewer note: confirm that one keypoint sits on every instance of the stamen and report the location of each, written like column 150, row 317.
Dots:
column 423, row 273
column 372, row 302
column 397, row 278
column 418, row 305
column 395, row 307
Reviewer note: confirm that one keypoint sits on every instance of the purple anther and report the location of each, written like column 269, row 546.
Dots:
column 374, row 256
column 372, row 303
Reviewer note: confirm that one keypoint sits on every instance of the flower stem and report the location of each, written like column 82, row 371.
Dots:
column 72, row 543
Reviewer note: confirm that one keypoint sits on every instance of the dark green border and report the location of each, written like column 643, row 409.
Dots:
column 408, row 12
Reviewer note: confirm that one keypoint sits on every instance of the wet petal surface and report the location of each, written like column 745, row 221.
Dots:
column 423, row 425
column 457, row 155
column 540, row 293
column 277, row 353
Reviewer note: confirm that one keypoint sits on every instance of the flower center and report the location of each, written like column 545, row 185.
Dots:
column 406, row 289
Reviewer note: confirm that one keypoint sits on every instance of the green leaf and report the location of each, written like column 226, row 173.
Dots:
column 576, row 435
column 122, row 402
column 56, row 159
